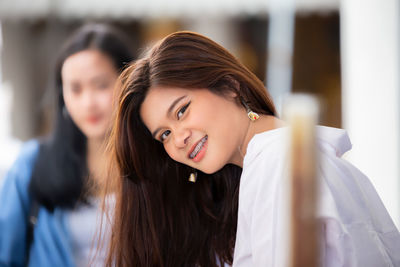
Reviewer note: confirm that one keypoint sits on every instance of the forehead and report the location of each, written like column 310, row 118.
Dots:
column 86, row 62
column 157, row 102
column 164, row 94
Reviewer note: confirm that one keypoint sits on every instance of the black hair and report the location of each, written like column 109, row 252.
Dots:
column 59, row 176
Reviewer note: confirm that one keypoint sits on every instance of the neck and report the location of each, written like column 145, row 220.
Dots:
column 264, row 123
column 95, row 157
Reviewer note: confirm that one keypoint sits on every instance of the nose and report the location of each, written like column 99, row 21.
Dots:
column 181, row 137
column 88, row 99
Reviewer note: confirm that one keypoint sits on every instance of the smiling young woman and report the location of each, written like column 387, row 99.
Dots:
column 189, row 106
column 176, row 223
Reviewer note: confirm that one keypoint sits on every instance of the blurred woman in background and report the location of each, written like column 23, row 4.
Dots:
column 48, row 210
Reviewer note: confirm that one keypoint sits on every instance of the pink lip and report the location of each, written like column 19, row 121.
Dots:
column 201, row 153
column 93, row 119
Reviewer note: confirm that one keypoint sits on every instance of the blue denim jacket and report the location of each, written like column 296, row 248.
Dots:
column 51, row 244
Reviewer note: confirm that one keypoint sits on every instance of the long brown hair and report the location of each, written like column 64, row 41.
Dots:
column 161, row 219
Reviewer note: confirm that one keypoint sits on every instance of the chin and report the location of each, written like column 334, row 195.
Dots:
column 94, row 134
column 208, row 172
column 211, row 169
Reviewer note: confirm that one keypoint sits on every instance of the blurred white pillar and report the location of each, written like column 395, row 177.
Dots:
column 280, row 49
column 370, row 50
column 220, row 29
column 9, row 145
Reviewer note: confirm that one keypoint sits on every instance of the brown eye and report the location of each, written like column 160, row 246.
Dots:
column 76, row 89
column 182, row 110
column 103, row 86
column 164, row 135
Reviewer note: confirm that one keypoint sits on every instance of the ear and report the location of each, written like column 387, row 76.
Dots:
column 235, row 84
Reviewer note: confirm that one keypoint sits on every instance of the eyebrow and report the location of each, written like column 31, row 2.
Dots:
column 170, row 109
column 95, row 79
column 100, row 78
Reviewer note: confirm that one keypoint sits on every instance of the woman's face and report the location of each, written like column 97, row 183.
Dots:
column 197, row 127
column 88, row 78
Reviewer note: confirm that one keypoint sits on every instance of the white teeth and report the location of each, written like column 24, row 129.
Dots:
column 198, row 147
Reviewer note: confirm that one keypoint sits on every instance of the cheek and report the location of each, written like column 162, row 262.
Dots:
column 172, row 152
column 74, row 112
column 104, row 100
column 72, row 105
column 214, row 113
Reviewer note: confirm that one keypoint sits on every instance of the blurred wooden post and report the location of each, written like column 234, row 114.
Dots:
column 301, row 113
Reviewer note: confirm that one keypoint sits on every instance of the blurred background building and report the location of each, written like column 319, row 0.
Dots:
column 346, row 52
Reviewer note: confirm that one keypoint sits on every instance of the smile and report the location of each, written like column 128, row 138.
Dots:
column 199, row 150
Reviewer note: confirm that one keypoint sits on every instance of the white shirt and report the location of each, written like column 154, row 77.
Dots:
column 84, row 225
column 357, row 230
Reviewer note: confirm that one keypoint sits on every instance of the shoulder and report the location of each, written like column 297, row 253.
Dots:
column 266, row 154
column 264, row 165
column 29, row 151
column 26, row 155
column 333, row 140
column 266, row 145
column 20, row 172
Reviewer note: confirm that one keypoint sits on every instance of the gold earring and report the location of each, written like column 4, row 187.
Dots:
column 253, row 116
column 193, row 177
